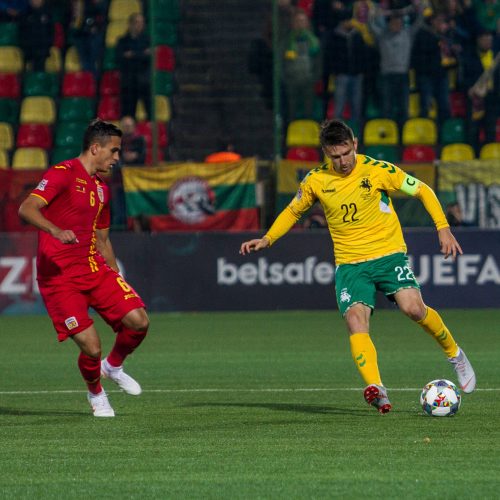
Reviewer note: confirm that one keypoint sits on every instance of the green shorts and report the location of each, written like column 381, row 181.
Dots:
column 356, row 283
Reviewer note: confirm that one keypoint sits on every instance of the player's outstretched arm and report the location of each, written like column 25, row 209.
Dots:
column 448, row 243
column 254, row 245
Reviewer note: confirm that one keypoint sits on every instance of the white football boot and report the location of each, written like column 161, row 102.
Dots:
column 117, row 375
column 465, row 372
column 100, row 404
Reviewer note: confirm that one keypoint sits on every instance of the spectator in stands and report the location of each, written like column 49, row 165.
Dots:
column 133, row 55
column 462, row 18
column 301, row 67
column 36, row 34
column 481, row 73
column 11, row 10
column 394, row 40
column 432, row 57
column 133, row 144
column 89, row 28
column 488, row 13
column 347, row 53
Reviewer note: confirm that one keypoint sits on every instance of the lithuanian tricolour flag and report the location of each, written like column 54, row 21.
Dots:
column 194, row 196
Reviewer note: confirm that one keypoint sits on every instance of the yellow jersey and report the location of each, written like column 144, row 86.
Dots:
column 360, row 215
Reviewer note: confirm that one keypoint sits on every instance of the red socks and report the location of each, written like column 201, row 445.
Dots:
column 126, row 342
column 90, row 368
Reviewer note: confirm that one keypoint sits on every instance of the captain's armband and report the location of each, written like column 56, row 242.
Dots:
column 410, row 185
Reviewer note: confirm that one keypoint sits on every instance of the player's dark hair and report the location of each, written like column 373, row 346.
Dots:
column 334, row 132
column 99, row 131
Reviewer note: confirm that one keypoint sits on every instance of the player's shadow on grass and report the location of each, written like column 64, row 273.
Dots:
column 295, row 408
column 20, row 412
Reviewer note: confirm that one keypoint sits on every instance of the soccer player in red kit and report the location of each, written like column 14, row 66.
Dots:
column 76, row 265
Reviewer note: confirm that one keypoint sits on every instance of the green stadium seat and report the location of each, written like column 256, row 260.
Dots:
column 164, row 33
column 9, row 34
column 453, row 131
column 109, row 60
column 60, row 153
column 383, row 152
column 70, row 134
column 164, row 81
column 76, row 109
column 40, row 84
column 9, row 111
column 168, row 10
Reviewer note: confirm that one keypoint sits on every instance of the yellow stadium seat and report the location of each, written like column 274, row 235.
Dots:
column 457, row 152
column 121, row 9
column 4, row 160
column 115, row 30
column 11, row 60
column 30, row 159
column 40, row 109
column 303, row 133
column 53, row 63
column 6, row 136
column 72, row 61
column 490, row 151
column 162, row 110
column 420, row 131
column 381, row 131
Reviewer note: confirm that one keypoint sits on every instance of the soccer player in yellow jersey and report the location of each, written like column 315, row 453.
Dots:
column 370, row 252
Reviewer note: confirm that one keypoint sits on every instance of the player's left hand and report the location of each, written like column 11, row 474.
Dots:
column 449, row 245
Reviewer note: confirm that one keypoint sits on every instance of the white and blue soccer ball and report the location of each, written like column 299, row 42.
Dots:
column 440, row 398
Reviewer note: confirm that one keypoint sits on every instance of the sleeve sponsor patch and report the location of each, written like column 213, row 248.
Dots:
column 42, row 184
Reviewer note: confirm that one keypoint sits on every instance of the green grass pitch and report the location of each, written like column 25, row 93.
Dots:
column 249, row 405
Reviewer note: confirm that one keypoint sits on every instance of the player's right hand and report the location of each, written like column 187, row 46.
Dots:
column 66, row 236
column 254, row 245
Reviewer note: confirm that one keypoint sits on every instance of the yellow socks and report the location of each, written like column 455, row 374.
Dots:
column 365, row 356
column 434, row 326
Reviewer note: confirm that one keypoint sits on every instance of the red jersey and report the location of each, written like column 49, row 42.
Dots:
column 80, row 203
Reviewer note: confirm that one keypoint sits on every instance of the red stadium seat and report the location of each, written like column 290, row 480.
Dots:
column 10, row 86
column 110, row 83
column 144, row 128
column 79, row 84
column 165, row 58
column 418, row 154
column 109, row 107
column 303, row 154
column 34, row 135
column 149, row 155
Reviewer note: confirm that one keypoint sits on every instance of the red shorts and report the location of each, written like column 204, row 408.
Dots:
column 68, row 299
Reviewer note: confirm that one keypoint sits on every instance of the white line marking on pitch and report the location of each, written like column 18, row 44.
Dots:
column 234, row 390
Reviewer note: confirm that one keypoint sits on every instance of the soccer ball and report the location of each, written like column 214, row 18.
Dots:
column 440, row 398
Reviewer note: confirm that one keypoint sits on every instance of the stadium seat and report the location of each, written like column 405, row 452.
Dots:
column 383, row 152
column 162, row 111
column 64, row 153
column 30, row 159
column 34, row 135
column 453, row 131
column 53, row 63
column 490, row 151
column 303, row 154
column 73, row 109
column 109, row 60
column 458, row 104
column 9, row 85
column 165, row 58
column 79, row 84
column 9, row 34
column 72, row 62
column 41, row 83
column 419, row 131
column 145, row 129
column 110, row 83
column 11, row 60
column 40, row 109
column 9, row 111
column 417, row 153
column 164, row 81
column 121, row 9
column 70, row 134
column 457, row 152
column 149, row 156
column 114, row 31
column 109, row 107
column 169, row 10
column 4, row 160
column 6, row 136
column 302, row 133
column 164, row 33
column 381, row 131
